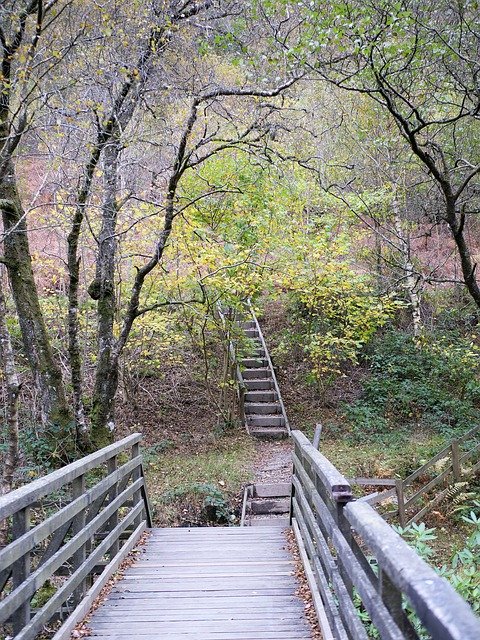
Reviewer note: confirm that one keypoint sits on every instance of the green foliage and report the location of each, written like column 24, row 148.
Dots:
column 463, row 569
column 414, row 384
column 215, row 505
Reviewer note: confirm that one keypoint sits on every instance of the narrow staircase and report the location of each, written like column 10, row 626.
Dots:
column 267, row 505
column 264, row 412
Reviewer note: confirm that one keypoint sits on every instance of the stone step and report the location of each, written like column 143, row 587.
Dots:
column 259, row 385
column 262, row 407
column 261, row 373
column 257, row 353
column 253, row 363
column 268, row 433
column 252, row 333
column 248, row 324
column 272, row 490
column 271, row 420
column 264, row 506
column 261, row 396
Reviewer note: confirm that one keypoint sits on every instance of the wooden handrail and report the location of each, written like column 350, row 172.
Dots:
column 241, row 387
column 74, row 540
column 270, row 364
column 325, row 517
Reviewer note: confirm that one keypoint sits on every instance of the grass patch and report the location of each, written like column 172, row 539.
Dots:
column 184, row 486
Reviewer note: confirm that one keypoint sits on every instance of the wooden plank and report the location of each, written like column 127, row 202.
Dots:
column 443, row 612
column 29, row 586
column 357, row 572
column 181, row 594
column 381, row 482
column 425, row 489
column 317, row 601
column 84, row 607
column 37, row 534
column 444, row 453
column 36, row 625
column 24, row 496
column 272, row 490
column 332, row 479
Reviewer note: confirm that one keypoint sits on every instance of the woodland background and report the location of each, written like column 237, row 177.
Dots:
column 158, row 158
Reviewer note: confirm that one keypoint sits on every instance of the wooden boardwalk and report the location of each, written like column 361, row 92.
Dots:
column 234, row 583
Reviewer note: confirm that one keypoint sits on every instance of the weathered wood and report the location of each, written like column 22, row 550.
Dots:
column 33, row 582
column 37, row 534
column 84, row 607
column 36, row 625
column 457, row 471
column 270, row 365
column 78, row 524
column 212, row 594
column 428, row 487
column 402, row 516
column 332, row 479
column 21, row 568
column 443, row 612
column 26, row 495
column 381, row 482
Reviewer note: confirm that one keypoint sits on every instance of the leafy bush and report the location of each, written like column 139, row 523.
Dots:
column 428, row 383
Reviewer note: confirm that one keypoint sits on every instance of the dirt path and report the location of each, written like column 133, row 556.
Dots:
column 273, row 461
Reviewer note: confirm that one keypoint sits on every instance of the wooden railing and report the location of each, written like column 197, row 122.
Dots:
column 235, row 365
column 415, row 501
column 359, row 569
column 66, row 528
column 270, row 364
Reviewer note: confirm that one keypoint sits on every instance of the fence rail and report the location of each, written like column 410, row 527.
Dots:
column 54, row 552
column 363, row 572
column 413, row 495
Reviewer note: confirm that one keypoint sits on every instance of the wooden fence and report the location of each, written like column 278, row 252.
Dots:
column 452, row 464
column 65, row 528
column 360, row 569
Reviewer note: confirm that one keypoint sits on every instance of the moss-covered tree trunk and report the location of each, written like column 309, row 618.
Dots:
column 53, row 407
column 103, row 290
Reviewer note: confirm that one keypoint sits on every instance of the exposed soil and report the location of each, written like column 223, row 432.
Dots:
column 273, row 461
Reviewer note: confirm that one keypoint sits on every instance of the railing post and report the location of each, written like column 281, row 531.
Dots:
column 457, row 471
column 78, row 558
column 392, row 598
column 112, row 523
column 21, row 568
column 402, row 516
column 136, row 474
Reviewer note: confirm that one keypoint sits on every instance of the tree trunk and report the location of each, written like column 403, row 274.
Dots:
column 54, row 409
column 12, row 383
column 103, row 289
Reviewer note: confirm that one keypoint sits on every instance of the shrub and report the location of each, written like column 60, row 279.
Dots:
column 430, row 383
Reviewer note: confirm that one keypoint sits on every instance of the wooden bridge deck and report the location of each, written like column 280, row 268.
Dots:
column 207, row 583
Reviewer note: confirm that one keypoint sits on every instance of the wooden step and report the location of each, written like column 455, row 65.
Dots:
column 258, row 353
column 262, row 407
column 260, row 373
column 272, row 490
column 268, row 433
column 281, row 522
column 259, row 385
column 248, row 324
column 261, row 396
column 264, row 506
column 253, row 363
column 252, row 333
column 271, row 420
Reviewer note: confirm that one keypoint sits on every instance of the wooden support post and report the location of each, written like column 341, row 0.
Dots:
column 402, row 516
column 21, row 568
column 112, row 494
column 78, row 524
column 317, row 435
column 137, row 496
column 457, row 470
